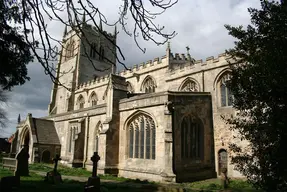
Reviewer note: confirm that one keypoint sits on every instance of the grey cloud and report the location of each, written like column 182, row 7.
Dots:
column 199, row 24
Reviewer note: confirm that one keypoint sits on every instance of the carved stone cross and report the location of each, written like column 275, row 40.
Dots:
column 95, row 158
column 56, row 159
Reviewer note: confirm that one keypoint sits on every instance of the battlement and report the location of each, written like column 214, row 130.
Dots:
column 179, row 57
column 186, row 65
column 87, row 27
column 96, row 81
column 199, row 63
column 143, row 66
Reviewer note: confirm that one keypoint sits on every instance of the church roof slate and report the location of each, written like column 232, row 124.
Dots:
column 46, row 131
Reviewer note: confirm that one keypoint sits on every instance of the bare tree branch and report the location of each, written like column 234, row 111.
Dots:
column 36, row 14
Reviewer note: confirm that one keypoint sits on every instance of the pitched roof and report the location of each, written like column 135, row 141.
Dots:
column 46, row 131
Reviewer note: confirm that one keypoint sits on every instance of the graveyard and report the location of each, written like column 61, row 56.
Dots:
column 56, row 177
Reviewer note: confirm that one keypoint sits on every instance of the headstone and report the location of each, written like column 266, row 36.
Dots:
column 54, row 176
column 22, row 165
column 224, row 178
column 9, row 182
column 94, row 183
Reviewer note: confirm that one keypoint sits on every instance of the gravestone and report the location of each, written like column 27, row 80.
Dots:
column 224, row 178
column 9, row 182
column 54, row 176
column 22, row 165
column 93, row 184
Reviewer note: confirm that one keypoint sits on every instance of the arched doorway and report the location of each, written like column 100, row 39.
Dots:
column 46, row 156
column 222, row 160
column 26, row 138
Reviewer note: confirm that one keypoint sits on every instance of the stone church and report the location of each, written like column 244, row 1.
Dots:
column 160, row 120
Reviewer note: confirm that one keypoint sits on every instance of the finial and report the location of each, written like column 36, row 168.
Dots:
column 115, row 33
column 101, row 26
column 84, row 17
column 75, row 21
column 19, row 118
column 65, row 30
column 187, row 48
column 188, row 55
column 168, row 46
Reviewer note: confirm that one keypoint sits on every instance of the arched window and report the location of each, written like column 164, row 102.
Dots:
column 81, row 102
column 70, row 48
column 93, row 99
column 142, row 137
column 93, row 49
column 102, row 53
column 149, row 85
column 192, row 138
column 189, row 86
column 73, row 134
column 97, row 136
column 130, row 87
column 226, row 97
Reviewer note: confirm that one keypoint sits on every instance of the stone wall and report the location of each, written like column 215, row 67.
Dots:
column 153, row 106
column 199, row 107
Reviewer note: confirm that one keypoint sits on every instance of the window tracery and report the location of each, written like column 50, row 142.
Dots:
column 81, row 102
column 93, row 49
column 102, row 53
column 142, row 137
column 129, row 87
column 189, row 86
column 192, row 138
column 226, row 96
column 70, row 50
column 93, row 99
column 73, row 133
column 149, row 85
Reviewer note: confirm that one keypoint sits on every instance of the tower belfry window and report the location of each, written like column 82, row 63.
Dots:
column 70, row 48
column 93, row 49
column 102, row 53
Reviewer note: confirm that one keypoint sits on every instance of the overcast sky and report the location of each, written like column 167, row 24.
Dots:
column 199, row 24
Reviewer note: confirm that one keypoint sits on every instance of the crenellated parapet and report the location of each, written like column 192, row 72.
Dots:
column 175, row 67
column 94, row 82
column 95, row 29
column 88, row 27
column 196, row 64
column 145, row 66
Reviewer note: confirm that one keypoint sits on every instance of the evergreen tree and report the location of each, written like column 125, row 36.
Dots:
column 14, row 51
column 259, row 86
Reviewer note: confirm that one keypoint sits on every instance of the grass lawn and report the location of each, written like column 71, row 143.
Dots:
column 36, row 182
column 215, row 184
column 72, row 171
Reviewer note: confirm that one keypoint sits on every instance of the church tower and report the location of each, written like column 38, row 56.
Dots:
column 84, row 56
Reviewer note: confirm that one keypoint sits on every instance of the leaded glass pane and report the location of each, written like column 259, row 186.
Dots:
column 142, row 138
column 223, row 95
column 147, row 155
column 131, row 143
column 229, row 97
column 153, row 142
column 137, row 142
